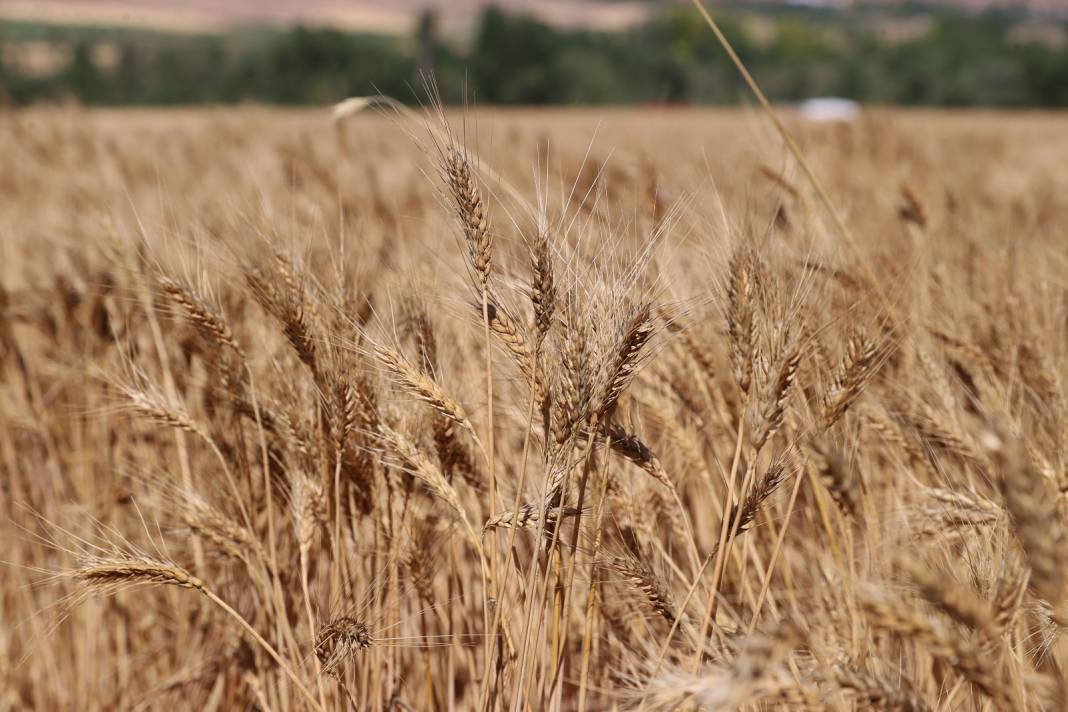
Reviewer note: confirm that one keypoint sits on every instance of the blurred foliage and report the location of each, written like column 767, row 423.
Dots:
column 955, row 60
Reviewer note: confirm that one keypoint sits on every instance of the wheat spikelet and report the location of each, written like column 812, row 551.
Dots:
column 339, row 642
column 421, row 468
column 648, row 584
column 226, row 536
column 572, row 387
column 690, row 343
column 1038, row 525
column 857, row 366
column 504, row 327
column 344, row 408
column 631, row 447
column 761, row 490
column 543, row 288
column 912, row 210
column 834, row 473
column 529, row 517
column 454, row 456
column 635, row 332
column 959, row 602
column 769, row 408
column 289, row 308
column 742, row 286
column 120, row 570
column 471, row 212
column 940, row 434
column 200, row 312
column 877, row 693
column 421, row 562
column 309, row 510
column 414, row 382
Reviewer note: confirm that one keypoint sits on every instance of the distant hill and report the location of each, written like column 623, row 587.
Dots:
column 394, row 16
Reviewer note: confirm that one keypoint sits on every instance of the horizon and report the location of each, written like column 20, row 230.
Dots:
column 399, row 16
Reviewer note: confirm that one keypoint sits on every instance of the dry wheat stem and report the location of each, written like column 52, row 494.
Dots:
column 111, row 572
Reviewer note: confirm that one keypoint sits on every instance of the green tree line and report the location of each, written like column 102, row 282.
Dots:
column 957, row 60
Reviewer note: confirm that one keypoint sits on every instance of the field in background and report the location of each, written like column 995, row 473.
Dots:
column 244, row 359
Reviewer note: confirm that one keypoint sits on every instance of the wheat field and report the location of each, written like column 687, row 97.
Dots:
column 532, row 410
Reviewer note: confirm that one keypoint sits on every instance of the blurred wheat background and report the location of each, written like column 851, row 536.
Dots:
column 531, row 409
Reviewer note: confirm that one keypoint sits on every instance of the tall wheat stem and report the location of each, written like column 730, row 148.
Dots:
column 721, row 549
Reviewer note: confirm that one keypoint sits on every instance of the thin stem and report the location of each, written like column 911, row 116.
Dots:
column 311, row 623
column 573, row 544
column 266, row 646
column 335, row 564
column 717, row 570
column 490, row 464
column 798, row 479
column 272, row 548
column 498, row 612
column 591, row 597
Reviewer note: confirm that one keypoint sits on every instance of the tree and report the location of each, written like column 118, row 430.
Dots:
column 82, row 77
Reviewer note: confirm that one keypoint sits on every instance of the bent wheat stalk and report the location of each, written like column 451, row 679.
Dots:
column 109, row 573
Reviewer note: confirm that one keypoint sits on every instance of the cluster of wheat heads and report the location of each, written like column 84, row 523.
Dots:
column 617, row 447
